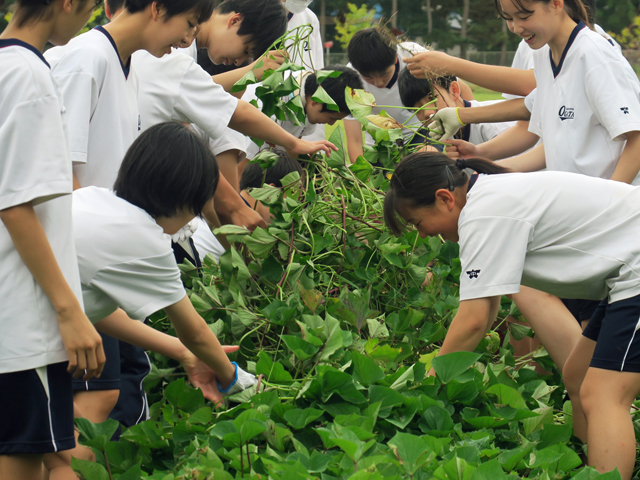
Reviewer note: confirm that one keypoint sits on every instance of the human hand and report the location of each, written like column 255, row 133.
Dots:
column 82, row 343
column 270, row 61
column 244, row 216
column 243, row 380
column 462, row 149
column 427, row 64
column 304, row 147
column 202, row 376
column 444, row 123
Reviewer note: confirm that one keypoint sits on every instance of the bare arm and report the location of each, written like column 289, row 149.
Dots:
column 471, row 323
column 629, row 163
column 353, row 129
column 512, row 141
column 501, row 79
column 227, row 80
column 230, row 208
column 507, row 111
column 252, row 122
column 81, row 341
column 531, row 161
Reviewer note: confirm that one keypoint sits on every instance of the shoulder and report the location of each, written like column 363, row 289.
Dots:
column 24, row 76
column 89, row 53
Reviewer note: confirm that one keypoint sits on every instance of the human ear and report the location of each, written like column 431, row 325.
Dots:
column 445, row 198
column 234, row 20
column 156, row 11
column 455, row 90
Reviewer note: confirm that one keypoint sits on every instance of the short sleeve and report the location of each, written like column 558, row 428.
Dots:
column 204, row 102
column 492, row 253
column 34, row 168
column 80, row 94
column 613, row 99
column 141, row 286
column 534, row 122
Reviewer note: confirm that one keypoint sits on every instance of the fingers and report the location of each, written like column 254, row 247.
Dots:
column 230, row 348
column 73, row 363
column 102, row 359
column 92, row 364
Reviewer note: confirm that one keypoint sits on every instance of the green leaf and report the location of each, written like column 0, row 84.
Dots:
column 260, row 242
column 298, row 418
column 506, row 396
column 273, row 371
column 365, row 370
column 96, row 435
column 359, row 102
column 89, row 470
column 362, row 169
column 451, row 365
column 300, row 348
column 334, row 381
column 490, row 470
column 321, row 96
column 322, row 74
column 184, row 397
column 232, row 230
column 336, row 160
column 249, row 78
column 377, row 328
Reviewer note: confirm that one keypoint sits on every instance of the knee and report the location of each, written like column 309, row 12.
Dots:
column 589, row 397
column 572, row 379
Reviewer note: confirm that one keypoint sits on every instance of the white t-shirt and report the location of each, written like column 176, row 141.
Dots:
column 313, row 54
column 206, row 242
column 35, row 166
column 584, row 108
column 124, row 256
column 100, row 95
column 483, row 132
column 229, row 140
column 570, row 235
column 523, row 60
column 176, row 88
column 391, row 95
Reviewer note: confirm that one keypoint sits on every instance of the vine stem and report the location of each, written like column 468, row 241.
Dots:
column 106, row 461
column 365, row 222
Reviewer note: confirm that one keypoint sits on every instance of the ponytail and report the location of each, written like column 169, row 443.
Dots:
column 420, row 175
column 576, row 9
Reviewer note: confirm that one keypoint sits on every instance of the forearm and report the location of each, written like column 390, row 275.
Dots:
column 470, row 325
column 353, row 129
column 629, row 163
column 120, row 326
column 32, row 244
column 508, row 111
column 509, row 143
column 225, row 201
column 531, row 161
column 501, row 79
column 196, row 335
column 228, row 79
column 250, row 121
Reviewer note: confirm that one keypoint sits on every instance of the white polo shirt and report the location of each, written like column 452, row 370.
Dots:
column 391, row 95
column 34, row 167
column 483, row 132
column 124, row 256
column 206, row 242
column 176, row 88
column 570, row 235
column 583, row 108
column 100, row 95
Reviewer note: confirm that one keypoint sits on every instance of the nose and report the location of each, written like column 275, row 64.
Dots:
column 422, row 233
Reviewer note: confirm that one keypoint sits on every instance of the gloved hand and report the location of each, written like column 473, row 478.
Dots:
column 242, row 381
column 445, row 124
column 185, row 232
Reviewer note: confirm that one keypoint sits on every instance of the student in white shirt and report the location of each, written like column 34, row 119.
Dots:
column 566, row 234
column 100, row 91
column 443, row 92
column 44, row 334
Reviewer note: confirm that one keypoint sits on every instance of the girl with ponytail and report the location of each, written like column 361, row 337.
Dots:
column 569, row 235
column 44, row 334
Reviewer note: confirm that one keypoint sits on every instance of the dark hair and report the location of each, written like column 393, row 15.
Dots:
column 371, row 51
column 211, row 68
column 166, row 169
column 114, row 5
column 265, row 21
column 335, row 87
column 413, row 89
column 202, row 8
column 32, row 10
column 420, row 175
column 253, row 175
column 590, row 6
column 575, row 9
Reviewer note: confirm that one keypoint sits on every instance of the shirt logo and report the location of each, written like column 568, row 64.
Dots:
column 566, row 113
column 625, row 110
column 473, row 274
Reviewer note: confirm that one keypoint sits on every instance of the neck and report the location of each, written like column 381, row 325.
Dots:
column 127, row 31
column 559, row 42
column 35, row 35
column 205, row 30
column 171, row 225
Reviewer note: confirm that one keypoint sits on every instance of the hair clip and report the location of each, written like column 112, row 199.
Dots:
column 450, row 179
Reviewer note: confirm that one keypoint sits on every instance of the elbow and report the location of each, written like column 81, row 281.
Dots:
column 195, row 337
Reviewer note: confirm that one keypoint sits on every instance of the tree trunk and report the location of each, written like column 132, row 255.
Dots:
column 323, row 21
column 394, row 13
column 503, row 51
column 463, row 29
column 429, row 18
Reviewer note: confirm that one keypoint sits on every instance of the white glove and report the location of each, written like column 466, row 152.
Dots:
column 242, row 381
column 185, row 232
column 445, row 124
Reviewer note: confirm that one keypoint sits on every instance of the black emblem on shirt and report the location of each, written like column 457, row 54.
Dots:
column 473, row 273
column 625, row 110
column 566, row 113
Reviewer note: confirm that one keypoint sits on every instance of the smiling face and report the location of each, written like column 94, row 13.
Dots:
column 441, row 218
column 177, row 31
column 538, row 24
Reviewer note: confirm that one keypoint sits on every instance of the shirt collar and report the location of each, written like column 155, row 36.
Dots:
column 394, row 79
column 14, row 42
column 125, row 68
column 556, row 69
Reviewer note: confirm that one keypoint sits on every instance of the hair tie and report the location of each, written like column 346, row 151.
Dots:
column 461, row 164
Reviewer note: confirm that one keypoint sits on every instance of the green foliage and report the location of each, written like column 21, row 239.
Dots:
column 357, row 18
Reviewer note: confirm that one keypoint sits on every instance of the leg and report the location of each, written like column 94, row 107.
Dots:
column 96, row 405
column 606, row 398
column 554, row 325
column 574, row 372
column 21, row 467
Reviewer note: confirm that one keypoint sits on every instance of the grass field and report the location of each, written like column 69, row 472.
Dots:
column 479, row 93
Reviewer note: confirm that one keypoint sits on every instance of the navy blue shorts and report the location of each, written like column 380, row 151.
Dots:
column 582, row 310
column 110, row 378
column 37, row 411
column 615, row 329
